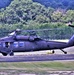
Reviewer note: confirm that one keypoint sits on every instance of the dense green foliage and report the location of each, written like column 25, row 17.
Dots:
column 26, row 14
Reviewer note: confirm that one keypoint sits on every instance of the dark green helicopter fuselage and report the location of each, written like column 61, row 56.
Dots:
column 21, row 43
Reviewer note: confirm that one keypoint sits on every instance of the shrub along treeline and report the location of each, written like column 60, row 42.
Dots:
column 26, row 14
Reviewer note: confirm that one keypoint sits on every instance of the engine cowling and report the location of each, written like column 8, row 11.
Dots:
column 26, row 38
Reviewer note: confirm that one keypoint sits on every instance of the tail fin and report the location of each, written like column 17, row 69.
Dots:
column 71, row 41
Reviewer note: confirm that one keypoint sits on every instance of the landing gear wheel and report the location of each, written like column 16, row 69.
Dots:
column 53, row 51
column 11, row 53
column 4, row 54
column 65, row 52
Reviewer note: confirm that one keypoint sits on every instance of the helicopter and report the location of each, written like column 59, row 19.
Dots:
column 22, row 43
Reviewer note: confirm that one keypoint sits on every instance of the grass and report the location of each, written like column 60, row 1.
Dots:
column 36, row 67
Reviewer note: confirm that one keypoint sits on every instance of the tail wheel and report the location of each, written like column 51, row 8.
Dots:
column 63, row 51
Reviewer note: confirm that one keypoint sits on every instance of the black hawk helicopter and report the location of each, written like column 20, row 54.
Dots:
column 21, row 43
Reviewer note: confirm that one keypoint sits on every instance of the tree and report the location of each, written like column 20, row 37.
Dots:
column 68, row 16
column 56, row 15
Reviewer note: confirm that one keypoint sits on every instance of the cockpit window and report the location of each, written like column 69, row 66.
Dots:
column 21, row 44
column 6, row 44
column 15, row 44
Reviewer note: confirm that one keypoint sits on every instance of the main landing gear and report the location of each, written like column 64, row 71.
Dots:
column 11, row 53
column 4, row 54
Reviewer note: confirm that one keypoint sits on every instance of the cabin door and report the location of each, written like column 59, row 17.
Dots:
column 6, row 47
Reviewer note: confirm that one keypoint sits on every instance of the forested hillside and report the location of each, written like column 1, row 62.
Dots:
column 26, row 14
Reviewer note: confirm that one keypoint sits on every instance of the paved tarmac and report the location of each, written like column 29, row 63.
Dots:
column 4, row 72
column 36, row 57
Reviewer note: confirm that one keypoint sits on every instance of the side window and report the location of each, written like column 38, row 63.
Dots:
column 21, row 44
column 0, row 44
column 3, row 44
column 15, row 44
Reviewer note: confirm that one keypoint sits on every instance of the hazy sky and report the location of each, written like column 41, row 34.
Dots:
column 52, row 3
column 4, row 3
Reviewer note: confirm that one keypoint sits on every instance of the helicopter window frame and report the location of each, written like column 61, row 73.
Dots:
column 3, row 44
column 21, row 44
column 15, row 44
column 0, row 44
